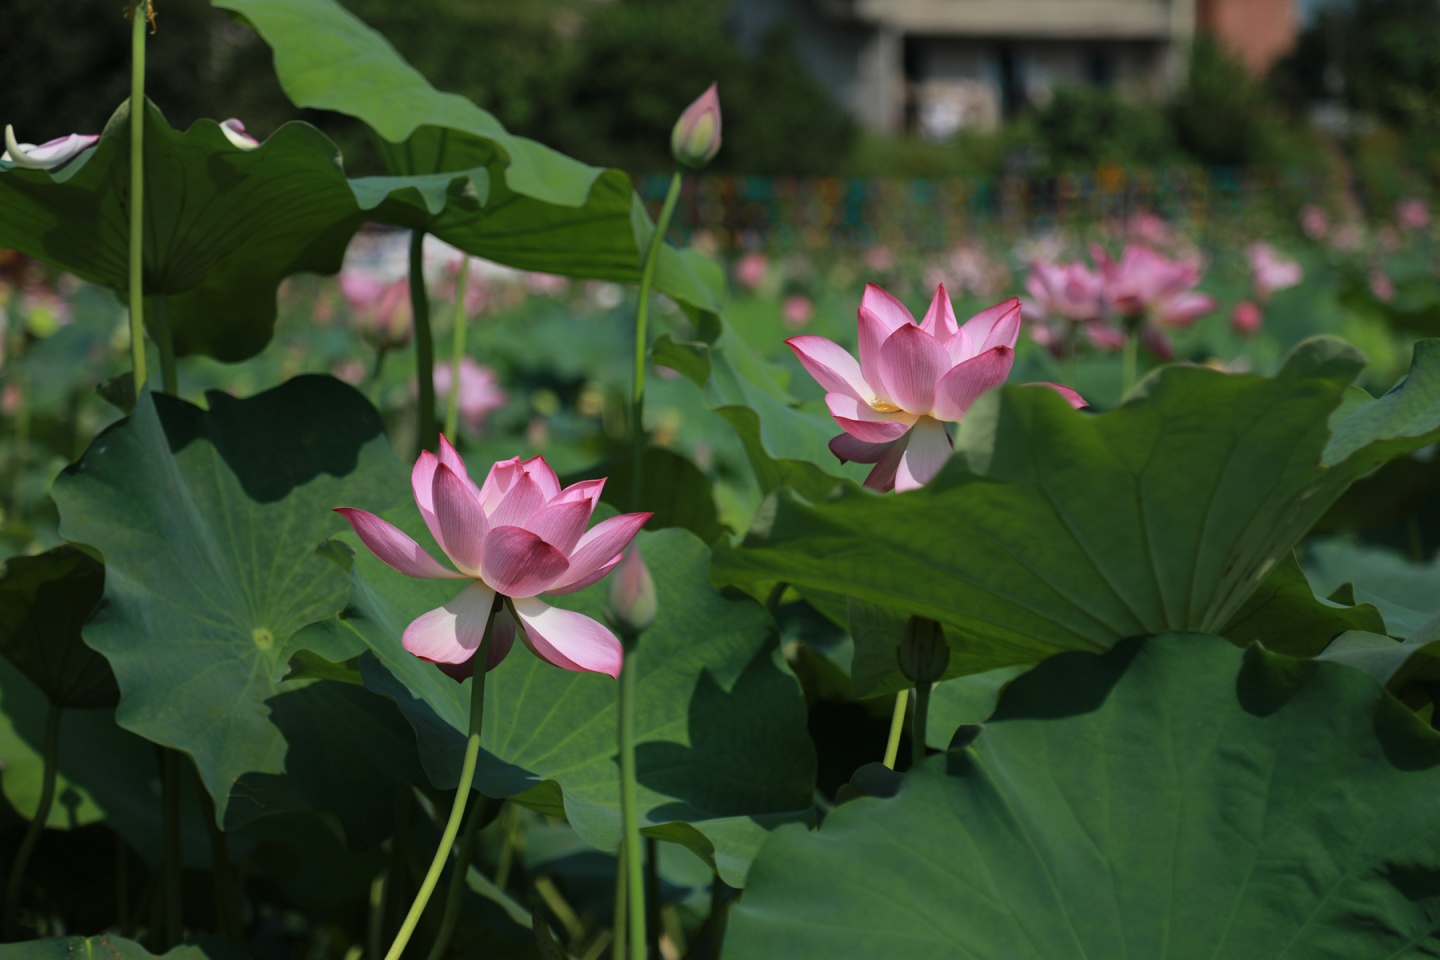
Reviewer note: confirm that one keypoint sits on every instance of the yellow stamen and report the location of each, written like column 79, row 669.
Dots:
column 883, row 406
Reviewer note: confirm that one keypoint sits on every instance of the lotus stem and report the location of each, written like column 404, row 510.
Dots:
column 921, row 722
column 632, row 872
column 170, row 805
column 51, row 761
column 227, row 915
column 1130, row 360
column 455, row 896
column 137, row 193
column 897, row 723
column 457, row 351
column 426, row 435
column 642, row 318
column 164, row 338
column 617, row 949
column 462, row 789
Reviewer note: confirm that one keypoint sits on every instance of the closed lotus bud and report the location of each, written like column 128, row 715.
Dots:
column 632, row 604
column 234, row 131
column 923, row 653
column 696, row 137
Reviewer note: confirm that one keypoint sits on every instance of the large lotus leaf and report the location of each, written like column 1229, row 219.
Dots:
column 1287, row 616
column 209, row 523
column 723, row 754
column 1407, row 594
column 1173, row 798
column 44, row 601
column 1054, row 529
column 544, row 211
column 1392, row 662
column 223, row 225
column 110, row 947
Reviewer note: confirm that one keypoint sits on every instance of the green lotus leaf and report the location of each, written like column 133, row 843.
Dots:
column 1175, row 797
column 44, row 601
column 209, row 523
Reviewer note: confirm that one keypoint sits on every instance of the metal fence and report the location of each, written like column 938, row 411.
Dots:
column 811, row 213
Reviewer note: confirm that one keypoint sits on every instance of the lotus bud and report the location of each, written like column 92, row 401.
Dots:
column 48, row 155
column 234, row 131
column 632, row 604
column 696, row 137
column 923, row 653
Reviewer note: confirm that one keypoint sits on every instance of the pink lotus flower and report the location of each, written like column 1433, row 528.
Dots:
column 1246, row 318
column 1071, row 291
column 381, row 309
column 910, row 381
column 1150, row 291
column 1412, row 214
column 1314, row 222
column 1269, row 271
column 695, row 139
column 479, row 391
column 750, row 270
column 1381, row 285
column 797, row 310
column 234, row 131
column 48, row 155
column 514, row 537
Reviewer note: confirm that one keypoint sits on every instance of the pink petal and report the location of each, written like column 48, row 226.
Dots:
column 452, row 459
column 958, row 389
column 498, row 481
column 569, row 640
column 939, row 320
column 539, row 471
column 520, row 564
column 517, row 506
column 911, row 363
column 502, row 638
column 599, row 550
column 587, row 490
column 994, row 326
column 460, row 518
column 850, row 450
column 422, row 484
column 1102, row 336
column 882, row 478
column 924, row 455
column 889, row 311
column 831, row 366
column 394, row 548
column 865, row 423
column 561, row 524
column 452, row 633
column 1071, row 397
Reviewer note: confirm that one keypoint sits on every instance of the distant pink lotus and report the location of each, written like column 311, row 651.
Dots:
column 1381, row 285
column 1071, row 291
column 381, row 309
column 1246, row 318
column 1412, row 214
column 480, row 393
column 48, row 155
column 1152, row 292
column 910, row 381
column 234, row 131
column 1315, row 222
column 797, row 310
column 514, row 537
column 751, row 268
column 1269, row 271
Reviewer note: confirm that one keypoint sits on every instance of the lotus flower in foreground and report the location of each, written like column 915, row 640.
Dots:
column 48, row 155
column 910, row 381
column 515, row 536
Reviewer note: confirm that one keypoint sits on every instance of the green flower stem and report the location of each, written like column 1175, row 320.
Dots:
column 777, row 593
column 920, row 723
column 161, row 333
column 455, row 896
column 630, row 812
column 1131, row 357
column 654, row 926
column 426, row 438
column 457, row 351
column 37, row 823
column 617, row 948
column 137, row 192
column 173, row 885
column 222, row 879
column 897, row 723
column 642, row 342
column 462, row 792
